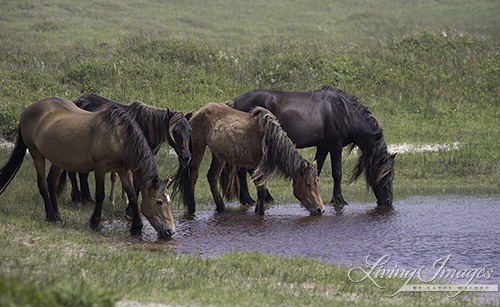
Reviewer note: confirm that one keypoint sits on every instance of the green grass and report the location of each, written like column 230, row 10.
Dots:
column 428, row 70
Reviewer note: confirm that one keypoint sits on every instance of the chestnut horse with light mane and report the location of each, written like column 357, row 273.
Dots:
column 254, row 140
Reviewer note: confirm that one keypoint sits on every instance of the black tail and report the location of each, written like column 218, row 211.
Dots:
column 10, row 169
column 229, row 182
column 182, row 183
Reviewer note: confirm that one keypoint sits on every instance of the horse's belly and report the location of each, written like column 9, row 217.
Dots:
column 65, row 149
column 72, row 160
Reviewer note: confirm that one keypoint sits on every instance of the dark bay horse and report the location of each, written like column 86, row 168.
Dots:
column 254, row 140
column 80, row 141
column 330, row 120
column 158, row 125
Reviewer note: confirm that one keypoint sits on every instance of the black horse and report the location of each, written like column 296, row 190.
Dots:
column 158, row 126
column 329, row 119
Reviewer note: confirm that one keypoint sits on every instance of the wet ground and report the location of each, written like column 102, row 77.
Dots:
column 464, row 232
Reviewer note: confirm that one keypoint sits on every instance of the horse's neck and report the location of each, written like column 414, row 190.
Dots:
column 154, row 126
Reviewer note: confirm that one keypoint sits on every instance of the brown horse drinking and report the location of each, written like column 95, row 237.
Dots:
column 76, row 140
column 254, row 140
column 328, row 119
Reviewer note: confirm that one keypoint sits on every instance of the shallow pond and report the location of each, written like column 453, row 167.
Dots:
column 415, row 233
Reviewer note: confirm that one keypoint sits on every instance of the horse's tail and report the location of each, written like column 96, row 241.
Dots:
column 182, row 183
column 10, row 169
column 229, row 181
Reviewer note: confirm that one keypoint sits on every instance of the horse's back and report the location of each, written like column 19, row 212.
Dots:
column 61, row 132
column 94, row 102
column 232, row 135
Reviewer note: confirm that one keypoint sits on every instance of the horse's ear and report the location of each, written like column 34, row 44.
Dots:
column 170, row 113
column 303, row 165
column 155, row 183
column 189, row 115
column 315, row 164
column 393, row 156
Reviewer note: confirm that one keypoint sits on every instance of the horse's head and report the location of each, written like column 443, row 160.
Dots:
column 156, row 207
column 382, row 187
column 306, row 188
column 180, row 135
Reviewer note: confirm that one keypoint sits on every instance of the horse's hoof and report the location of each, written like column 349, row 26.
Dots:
column 54, row 219
column 220, row 210
column 136, row 231
column 97, row 227
column 244, row 201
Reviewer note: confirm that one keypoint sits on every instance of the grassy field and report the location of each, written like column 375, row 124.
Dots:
column 428, row 70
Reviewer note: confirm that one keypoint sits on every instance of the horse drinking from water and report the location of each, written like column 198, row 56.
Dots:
column 76, row 140
column 158, row 125
column 330, row 120
column 254, row 140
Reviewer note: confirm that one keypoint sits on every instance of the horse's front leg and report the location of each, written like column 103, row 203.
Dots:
column 261, row 199
column 336, row 158
column 95, row 219
column 213, row 176
column 128, row 185
column 320, row 157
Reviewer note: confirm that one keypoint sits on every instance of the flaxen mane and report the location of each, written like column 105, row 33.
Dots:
column 278, row 151
column 373, row 162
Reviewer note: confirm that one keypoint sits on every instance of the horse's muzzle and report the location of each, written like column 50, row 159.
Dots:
column 317, row 211
column 165, row 233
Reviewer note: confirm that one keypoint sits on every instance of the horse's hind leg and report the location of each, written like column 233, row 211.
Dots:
column 261, row 197
column 84, row 185
column 39, row 161
column 76, row 197
column 213, row 176
column 52, row 180
column 245, row 198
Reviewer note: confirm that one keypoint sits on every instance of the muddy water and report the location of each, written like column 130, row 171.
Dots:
column 415, row 233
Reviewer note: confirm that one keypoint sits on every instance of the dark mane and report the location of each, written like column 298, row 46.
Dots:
column 153, row 122
column 137, row 156
column 279, row 151
column 372, row 157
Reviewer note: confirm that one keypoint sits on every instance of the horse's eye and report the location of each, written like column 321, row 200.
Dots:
column 308, row 185
column 159, row 202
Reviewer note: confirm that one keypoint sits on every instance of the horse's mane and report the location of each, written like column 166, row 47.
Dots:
column 138, row 156
column 278, row 151
column 154, row 122
column 371, row 160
